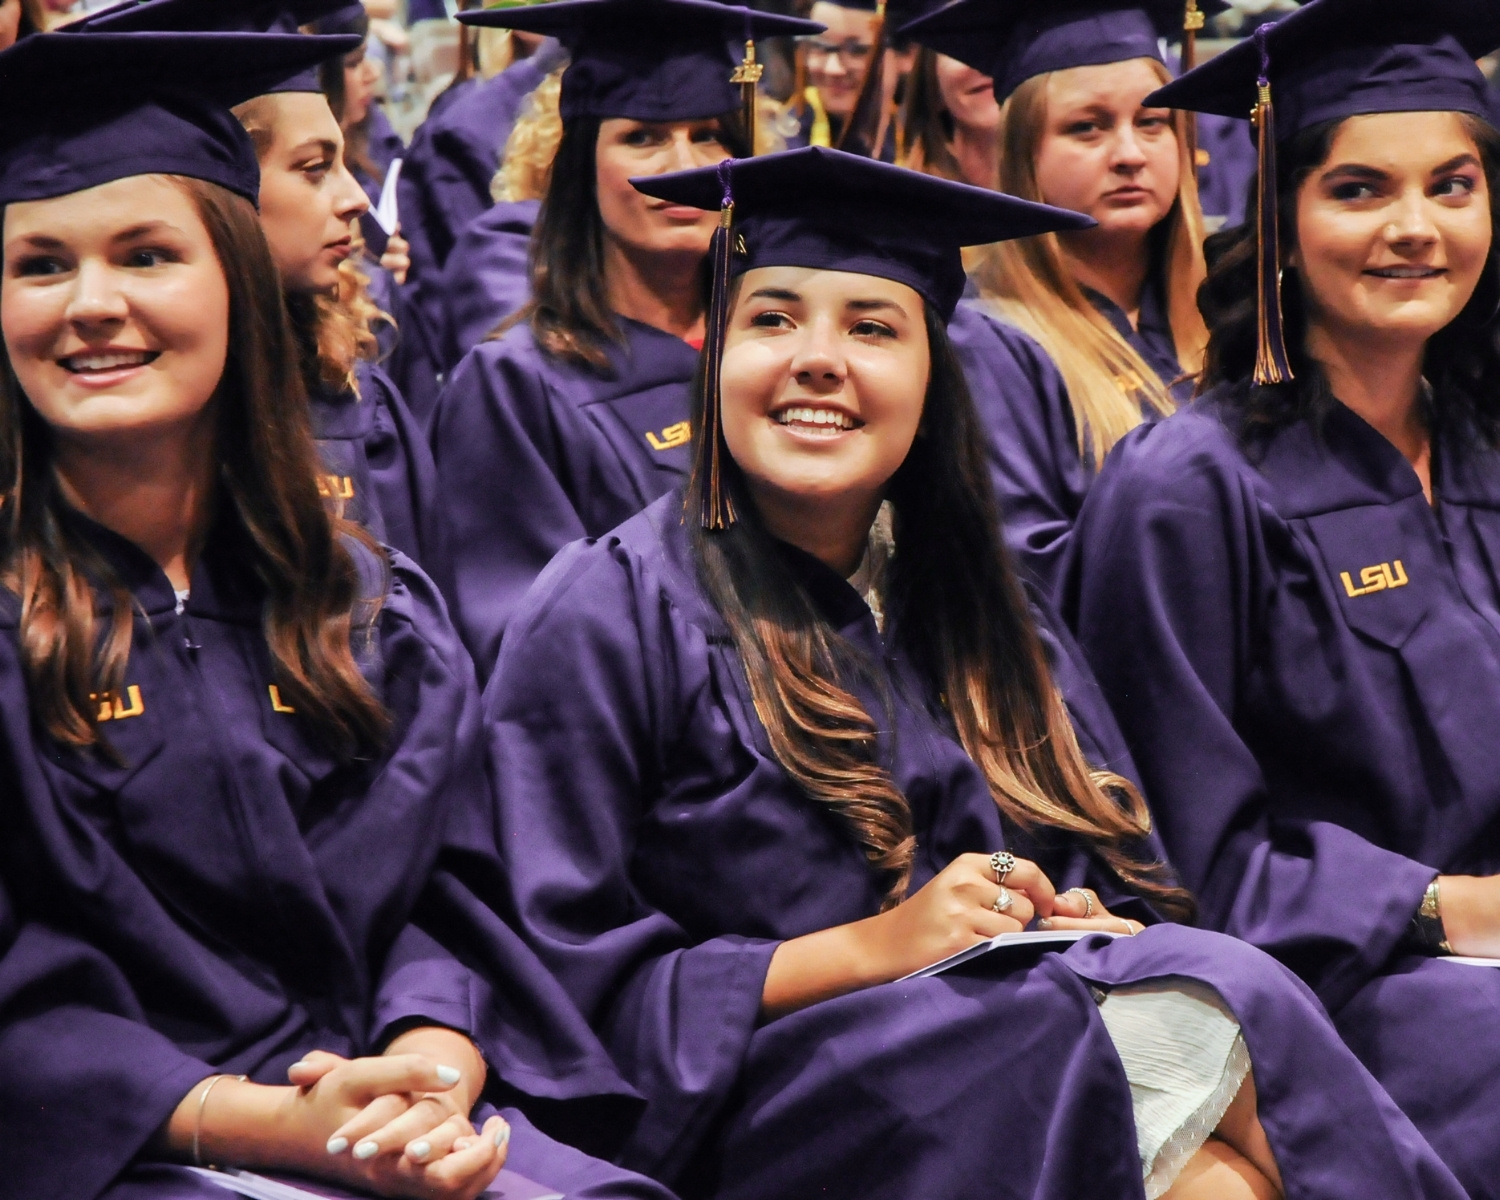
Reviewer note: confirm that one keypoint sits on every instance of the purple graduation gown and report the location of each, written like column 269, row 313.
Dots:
column 659, row 853
column 377, row 462
column 486, row 278
column 406, row 348
column 1305, row 657
column 1224, row 181
column 385, row 147
column 224, row 895
column 534, row 452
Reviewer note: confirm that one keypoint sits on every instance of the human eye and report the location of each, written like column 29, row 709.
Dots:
column 33, row 266
column 1351, row 190
column 1155, row 121
column 770, row 319
column 869, row 328
column 146, row 257
column 1456, row 186
column 709, row 136
column 1082, row 127
column 316, row 169
column 641, row 137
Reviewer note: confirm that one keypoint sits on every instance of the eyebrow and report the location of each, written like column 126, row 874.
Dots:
column 42, row 241
column 1360, row 171
column 865, row 306
column 327, row 145
column 785, row 295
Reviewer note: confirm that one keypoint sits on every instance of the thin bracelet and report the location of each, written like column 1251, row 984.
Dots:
column 202, row 1103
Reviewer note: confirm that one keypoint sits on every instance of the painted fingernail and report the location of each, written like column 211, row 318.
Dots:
column 419, row 1150
column 502, row 1137
column 366, row 1149
column 450, row 1074
column 1044, row 923
column 337, row 1145
column 301, row 1062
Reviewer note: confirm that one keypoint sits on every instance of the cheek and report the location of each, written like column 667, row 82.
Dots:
column 1166, row 166
column 1065, row 174
column 747, row 389
column 30, row 320
column 192, row 319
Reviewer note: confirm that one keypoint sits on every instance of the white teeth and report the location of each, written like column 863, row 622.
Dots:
column 106, row 362
column 1406, row 272
column 830, row 418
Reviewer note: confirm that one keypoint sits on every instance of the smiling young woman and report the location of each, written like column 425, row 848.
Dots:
column 583, row 395
column 1292, row 591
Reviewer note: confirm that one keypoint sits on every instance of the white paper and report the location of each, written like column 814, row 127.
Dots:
column 1058, row 938
column 1470, row 962
column 509, row 1186
column 387, row 213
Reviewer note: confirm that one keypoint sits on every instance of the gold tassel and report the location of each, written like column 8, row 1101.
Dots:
column 747, row 75
column 1272, row 364
column 1192, row 23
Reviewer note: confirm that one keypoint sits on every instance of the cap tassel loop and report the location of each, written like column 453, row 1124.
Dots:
column 1193, row 21
column 716, row 509
column 1272, row 363
column 748, row 75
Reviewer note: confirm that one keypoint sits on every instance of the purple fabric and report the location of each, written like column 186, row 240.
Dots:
column 226, row 895
column 534, row 452
column 658, row 854
column 385, row 147
column 486, row 279
column 1150, row 336
column 405, row 351
column 377, row 461
column 1316, row 750
column 1224, row 181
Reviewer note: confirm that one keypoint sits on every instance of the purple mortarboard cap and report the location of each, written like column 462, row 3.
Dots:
column 222, row 16
column 1343, row 58
column 425, row 10
column 650, row 60
column 77, row 112
column 1015, row 40
column 834, row 211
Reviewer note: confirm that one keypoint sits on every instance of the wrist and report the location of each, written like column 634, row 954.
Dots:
column 249, row 1125
column 449, row 1048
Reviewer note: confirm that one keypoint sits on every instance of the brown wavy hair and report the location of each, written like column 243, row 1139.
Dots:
column 298, row 551
column 959, row 612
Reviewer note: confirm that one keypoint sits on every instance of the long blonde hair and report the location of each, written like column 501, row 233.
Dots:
column 527, row 162
column 1028, row 283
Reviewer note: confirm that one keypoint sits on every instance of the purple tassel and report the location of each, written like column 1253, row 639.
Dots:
column 1272, row 364
column 716, row 509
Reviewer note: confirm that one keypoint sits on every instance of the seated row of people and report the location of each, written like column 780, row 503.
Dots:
column 748, row 758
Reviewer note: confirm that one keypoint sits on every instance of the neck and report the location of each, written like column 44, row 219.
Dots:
column 1116, row 266
column 834, row 531
column 156, row 495
column 660, row 290
column 1380, row 378
column 977, row 152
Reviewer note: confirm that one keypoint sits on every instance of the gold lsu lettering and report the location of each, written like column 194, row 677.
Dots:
column 671, row 437
column 116, row 708
column 336, row 487
column 277, row 704
column 1379, row 578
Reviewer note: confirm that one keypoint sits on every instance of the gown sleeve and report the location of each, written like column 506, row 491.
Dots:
column 1169, row 585
column 1031, row 440
column 601, row 689
column 403, row 474
column 501, row 499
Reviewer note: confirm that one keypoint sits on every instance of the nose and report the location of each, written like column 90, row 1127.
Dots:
column 1129, row 155
column 684, row 152
column 1411, row 226
column 818, row 362
column 97, row 301
column 833, row 64
column 349, row 198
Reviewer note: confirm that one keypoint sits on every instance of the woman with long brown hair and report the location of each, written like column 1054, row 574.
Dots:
column 1113, row 306
column 575, row 414
column 237, row 740
column 787, row 739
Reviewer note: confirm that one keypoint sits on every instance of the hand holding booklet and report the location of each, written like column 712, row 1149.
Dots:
column 1043, row 939
column 507, row 1186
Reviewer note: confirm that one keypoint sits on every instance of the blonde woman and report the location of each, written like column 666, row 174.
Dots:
column 1113, row 306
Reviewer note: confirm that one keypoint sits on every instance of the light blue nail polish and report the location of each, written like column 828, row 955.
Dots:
column 1044, row 923
column 367, row 1149
column 449, row 1074
column 419, row 1150
column 337, row 1145
column 502, row 1137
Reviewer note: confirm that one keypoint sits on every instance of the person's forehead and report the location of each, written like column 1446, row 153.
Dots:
column 102, row 211
column 842, row 22
column 1112, row 84
column 1404, row 140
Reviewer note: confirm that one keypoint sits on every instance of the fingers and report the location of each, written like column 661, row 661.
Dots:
column 312, row 1067
column 421, row 1122
column 353, row 1135
column 393, row 1073
column 472, row 1164
column 1121, row 925
column 1029, row 878
column 1019, row 909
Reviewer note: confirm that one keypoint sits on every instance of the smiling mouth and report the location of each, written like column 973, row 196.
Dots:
column 1406, row 272
column 821, row 422
column 95, row 364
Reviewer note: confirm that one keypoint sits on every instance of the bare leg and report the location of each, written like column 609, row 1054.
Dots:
column 1219, row 1172
column 1241, row 1129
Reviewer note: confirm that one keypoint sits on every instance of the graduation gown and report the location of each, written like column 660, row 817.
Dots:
column 223, row 895
column 386, row 147
column 1224, row 179
column 534, row 452
column 486, row 279
column 405, row 346
column 377, row 462
column 1305, row 657
column 659, row 854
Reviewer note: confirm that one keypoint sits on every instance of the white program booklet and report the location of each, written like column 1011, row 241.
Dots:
column 1471, row 962
column 387, row 213
column 507, row 1186
column 1059, row 939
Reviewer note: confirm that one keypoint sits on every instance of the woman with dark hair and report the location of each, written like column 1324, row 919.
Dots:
column 238, row 742
column 1291, row 592
column 352, row 83
column 1111, row 306
column 951, row 120
column 790, row 737
column 576, row 416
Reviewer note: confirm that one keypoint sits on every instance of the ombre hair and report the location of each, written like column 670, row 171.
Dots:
column 1028, row 283
column 267, row 471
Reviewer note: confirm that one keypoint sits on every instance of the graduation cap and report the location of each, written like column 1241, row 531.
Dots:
column 651, row 60
column 1015, row 40
column 835, row 211
column 1331, row 60
column 79, row 111
column 226, row 16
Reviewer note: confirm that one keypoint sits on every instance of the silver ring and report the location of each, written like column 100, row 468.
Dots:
column 1088, row 901
column 1002, row 862
column 1004, row 902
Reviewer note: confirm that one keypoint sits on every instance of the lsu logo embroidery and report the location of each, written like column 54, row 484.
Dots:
column 276, row 704
column 336, row 487
column 114, row 708
column 1379, row 578
column 671, row 437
